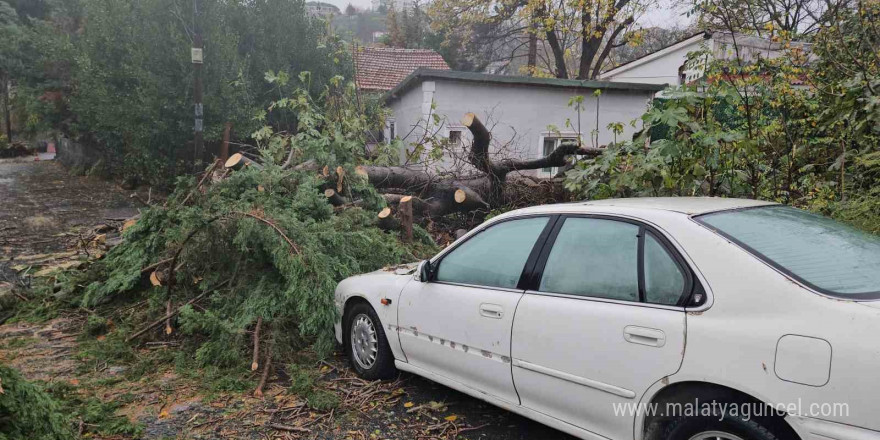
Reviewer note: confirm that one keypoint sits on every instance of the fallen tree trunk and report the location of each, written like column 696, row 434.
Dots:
column 443, row 195
column 435, row 195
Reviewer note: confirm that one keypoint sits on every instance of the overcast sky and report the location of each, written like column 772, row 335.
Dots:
column 662, row 15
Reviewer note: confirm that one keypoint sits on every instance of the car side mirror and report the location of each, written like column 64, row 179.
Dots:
column 425, row 271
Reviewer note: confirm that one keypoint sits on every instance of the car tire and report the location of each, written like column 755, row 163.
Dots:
column 717, row 426
column 366, row 345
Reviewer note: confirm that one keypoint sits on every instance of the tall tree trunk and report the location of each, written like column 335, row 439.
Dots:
column 4, row 82
column 589, row 48
column 533, row 53
column 558, row 54
column 533, row 43
column 597, row 69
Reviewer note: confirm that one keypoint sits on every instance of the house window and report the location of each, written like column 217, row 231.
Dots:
column 550, row 144
column 391, row 131
column 454, row 137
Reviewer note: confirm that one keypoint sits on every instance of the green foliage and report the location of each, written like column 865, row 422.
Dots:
column 302, row 383
column 261, row 243
column 95, row 325
column 750, row 129
column 100, row 417
column 27, row 412
column 117, row 74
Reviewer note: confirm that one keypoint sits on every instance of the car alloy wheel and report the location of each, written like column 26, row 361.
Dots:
column 715, row 435
column 364, row 341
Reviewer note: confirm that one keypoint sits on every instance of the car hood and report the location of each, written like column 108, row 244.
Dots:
column 400, row 269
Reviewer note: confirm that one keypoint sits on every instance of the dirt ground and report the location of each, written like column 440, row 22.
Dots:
column 44, row 211
column 42, row 207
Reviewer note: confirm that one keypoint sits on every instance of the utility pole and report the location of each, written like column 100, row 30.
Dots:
column 197, row 60
column 4, row 82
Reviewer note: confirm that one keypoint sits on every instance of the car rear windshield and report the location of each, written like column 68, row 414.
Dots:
column 828, row 256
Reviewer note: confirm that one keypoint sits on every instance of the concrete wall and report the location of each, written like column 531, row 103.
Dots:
column 76, row 156
column 519, row 116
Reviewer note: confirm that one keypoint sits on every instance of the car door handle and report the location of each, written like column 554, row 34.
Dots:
column 493, row 311
column 644, row 336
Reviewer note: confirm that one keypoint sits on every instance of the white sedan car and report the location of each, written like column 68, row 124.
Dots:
column 666, row 318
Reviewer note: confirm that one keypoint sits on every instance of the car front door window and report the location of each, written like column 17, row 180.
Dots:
column 458, row 325
column 594, row 257
column 599, row 258
column 494, row 257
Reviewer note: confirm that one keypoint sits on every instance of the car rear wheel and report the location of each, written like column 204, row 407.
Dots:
column 720, row 426
column 366, row 345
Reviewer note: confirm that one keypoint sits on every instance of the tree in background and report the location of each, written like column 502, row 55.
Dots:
column 796, row 18
column 12, row 34
column 350, row 10
column 132, row 95
column 564, row 38
column 35, row 62
column 649, row 40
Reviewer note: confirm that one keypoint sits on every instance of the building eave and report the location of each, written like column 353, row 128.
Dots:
column 420, row 75
column 655, row 55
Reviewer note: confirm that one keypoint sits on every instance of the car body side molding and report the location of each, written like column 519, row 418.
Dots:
column 601, row 386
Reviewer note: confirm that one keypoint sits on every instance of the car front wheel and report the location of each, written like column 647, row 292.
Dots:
column 366, row 345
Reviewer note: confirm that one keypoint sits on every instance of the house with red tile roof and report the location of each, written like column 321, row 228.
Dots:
column 380, row 69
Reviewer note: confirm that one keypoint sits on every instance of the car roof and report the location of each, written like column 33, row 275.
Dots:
column 683, row 205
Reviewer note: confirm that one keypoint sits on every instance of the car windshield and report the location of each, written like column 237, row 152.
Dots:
column 826, row 255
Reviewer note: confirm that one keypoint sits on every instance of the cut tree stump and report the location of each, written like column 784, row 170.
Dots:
column 237, row 161
column 387, row 222
column 333, row 197
column 405, row 210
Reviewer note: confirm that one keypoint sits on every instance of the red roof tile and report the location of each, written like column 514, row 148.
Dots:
column 382, row 68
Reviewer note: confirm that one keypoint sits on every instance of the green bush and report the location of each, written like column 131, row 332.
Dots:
column 27, row 412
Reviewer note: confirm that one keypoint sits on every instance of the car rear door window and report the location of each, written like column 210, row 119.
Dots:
column 494, row 257
column 664, row 279
column 594, row 257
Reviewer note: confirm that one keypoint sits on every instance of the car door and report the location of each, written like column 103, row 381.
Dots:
column 601, row 323
column 458, row 323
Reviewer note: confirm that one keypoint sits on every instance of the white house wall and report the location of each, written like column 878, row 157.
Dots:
column 519, row 116
column 661, row 70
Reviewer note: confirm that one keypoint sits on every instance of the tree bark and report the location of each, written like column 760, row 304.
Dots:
column 438, row 196
column 597, row 69
column 265, row 375
column 224, row 148
column 558, row 54
column 387, row 222
column 406, row 218
column 237, row 161
column 4, row 82
column 255, row 362
column 333, row 197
